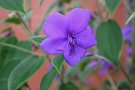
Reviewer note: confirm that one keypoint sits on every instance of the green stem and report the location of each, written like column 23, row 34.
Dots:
column 102, row 58
column 133, row 56
column 60, row 75
column 113, row 85
column 128, row 9
column 27, row 85
column 29, row 9
column 125, row 73
column 18, row 48
column 49, row 59
column 60, row 5
column 26, row 28
column 99, row 9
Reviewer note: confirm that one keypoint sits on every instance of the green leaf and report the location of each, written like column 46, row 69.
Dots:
column 85, row 70
column 68, row 86
column 27, row 16
column 10, row 57
column 66, row 1
column 6, row 52
column 48, row 79
column 71, row 73
column 58, row 62
column 124, row 85
column 45, row 14
column 38, row 39
column 23, row 71
column 106, row 86
column 109, row 40
column 20, row 54
column 13, row 5
column 85, row 62
column 112, row 5
column 41, row 2
column 13, row 20
column 130, row 18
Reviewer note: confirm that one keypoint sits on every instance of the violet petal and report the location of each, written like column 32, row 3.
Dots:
column 55, row 25
column 78, row 19
column 74, row 55
column 54, row 45
column 86, row 38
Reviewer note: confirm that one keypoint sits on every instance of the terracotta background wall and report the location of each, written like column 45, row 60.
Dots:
column 34, row 81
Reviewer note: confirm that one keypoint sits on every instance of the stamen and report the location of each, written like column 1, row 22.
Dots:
column 72, row 39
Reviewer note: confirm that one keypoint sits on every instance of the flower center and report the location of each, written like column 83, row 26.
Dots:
column 72, row 39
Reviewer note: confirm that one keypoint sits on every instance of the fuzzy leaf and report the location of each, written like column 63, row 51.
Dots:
column 112, row 5
column 109, row 40
column 13, row 5
column 48, row 79
column 68, row 86
column 58, row 62
column 23, row 71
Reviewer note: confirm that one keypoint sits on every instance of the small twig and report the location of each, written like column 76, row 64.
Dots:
column 133, row 55
column 26, row 28
column 49, row 59
column 60, row 75
column 60, row 5
column 125, row 73
column 127, row 7
column 99, row 9
column 27, row 85
column 29, row 8
column 113, row 85
column 18, row 48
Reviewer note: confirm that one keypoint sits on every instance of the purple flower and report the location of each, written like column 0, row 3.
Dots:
column 69, row 35
column 56, row 76
column 129, row 51
column 127, row 31
column 7, row 33
column 89, row 54
column 93, row 64
column 105, row 66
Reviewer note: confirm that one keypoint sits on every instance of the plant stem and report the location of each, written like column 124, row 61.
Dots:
column 29, row 9
column 127, row 6
column 60, row 5
column 60, row 75
column 27, row 85
column 114, row 87
column 18, row 48
column 26, row 28
column 99, row 9
column 125, row 73
column 49, row 59
column 133, row 56
column 133, row 45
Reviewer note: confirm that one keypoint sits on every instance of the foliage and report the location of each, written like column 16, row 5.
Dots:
column 19, row 60
column 109, row 40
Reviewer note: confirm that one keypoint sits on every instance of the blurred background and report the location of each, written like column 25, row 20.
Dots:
column 96, row 80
